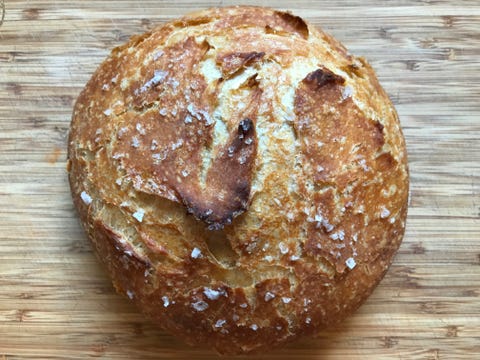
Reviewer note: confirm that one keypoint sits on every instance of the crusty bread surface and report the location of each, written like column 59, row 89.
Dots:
column 241, row 175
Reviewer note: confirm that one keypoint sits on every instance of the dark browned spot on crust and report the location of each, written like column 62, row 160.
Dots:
column 322, row 77
column 385, row 162
column 233, row 62
column 292, row 23
column 353, row 69
column 378, row 133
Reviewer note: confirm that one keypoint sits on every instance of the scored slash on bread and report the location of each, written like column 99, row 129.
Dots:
column 243, row 178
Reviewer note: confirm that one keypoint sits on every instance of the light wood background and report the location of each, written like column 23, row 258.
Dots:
column 55, row 299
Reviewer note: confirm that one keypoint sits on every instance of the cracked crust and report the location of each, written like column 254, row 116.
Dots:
column 243, row 178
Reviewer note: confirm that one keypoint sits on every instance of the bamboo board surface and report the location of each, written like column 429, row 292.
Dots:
column 55, row 299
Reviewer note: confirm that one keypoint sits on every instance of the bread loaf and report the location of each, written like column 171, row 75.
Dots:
column 241, row 175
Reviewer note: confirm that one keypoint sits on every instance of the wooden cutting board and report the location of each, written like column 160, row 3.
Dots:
column 55, row 299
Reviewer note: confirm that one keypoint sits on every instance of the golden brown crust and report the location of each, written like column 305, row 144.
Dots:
column 243, row 178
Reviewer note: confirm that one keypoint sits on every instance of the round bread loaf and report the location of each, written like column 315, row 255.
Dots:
column 241, row 175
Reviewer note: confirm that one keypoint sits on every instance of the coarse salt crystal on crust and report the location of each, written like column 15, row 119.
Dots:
column 351, row 263
column 86, row 198
column 196, row 253
column 139, row 214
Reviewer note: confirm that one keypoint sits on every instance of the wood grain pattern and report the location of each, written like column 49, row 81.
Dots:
column 55, row 300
